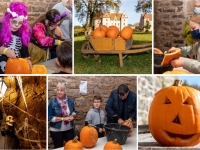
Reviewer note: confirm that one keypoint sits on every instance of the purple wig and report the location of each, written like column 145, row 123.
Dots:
column 24, row 31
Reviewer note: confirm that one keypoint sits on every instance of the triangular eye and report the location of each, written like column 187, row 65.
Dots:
column 176, row 120
column 167, row 101
column 185, row 102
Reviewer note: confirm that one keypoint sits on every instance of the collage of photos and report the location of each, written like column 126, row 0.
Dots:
column 100, row 74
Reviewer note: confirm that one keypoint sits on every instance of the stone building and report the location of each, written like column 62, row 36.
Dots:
column 36, row 8
column 119, row 20
column 169, row 19
column 147, row 87
column 96, row 85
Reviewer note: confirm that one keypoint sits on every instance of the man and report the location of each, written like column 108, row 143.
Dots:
column 121, row 105
column 66, row 25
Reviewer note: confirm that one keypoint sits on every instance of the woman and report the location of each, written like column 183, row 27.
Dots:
column 15, row 34
column 44, row 31
column 61, row 114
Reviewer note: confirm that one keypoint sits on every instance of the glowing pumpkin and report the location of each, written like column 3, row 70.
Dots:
column 126, row 33
column 39, row 69
column 73, row 144
column 168, row 57
column 175, row 72
column 174, row 116
column 112, row 145
column 88, row 136
column 17, row 66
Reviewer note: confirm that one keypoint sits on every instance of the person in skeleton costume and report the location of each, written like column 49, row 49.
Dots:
column 15, row 34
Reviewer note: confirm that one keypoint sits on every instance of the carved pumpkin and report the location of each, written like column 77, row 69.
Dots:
column 88, row 136
column 73, row 144
column 99, row 32
column 112, row 145
column 175, row 72
column 39, row 69
column 111, row 33
column 17, row 66
column 168, row 57
column 126, row 33
column 115, row 28
column 131, row 130
column 174, row 116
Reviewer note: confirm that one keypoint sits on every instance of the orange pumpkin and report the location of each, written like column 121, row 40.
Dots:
column 131, row 130
column 105, row 28
column 175, row 72
column 174, row 115
column 17, row 66
column 115, row 28
column 112, row 145
column 39, row 69
column 88, row 136
column 99, row 32
column 168, row 57
column 73, row 144
column 157, row 51
column 111, row 33
column 126, row 33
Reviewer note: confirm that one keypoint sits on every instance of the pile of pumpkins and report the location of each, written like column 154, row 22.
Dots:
column 88, row 139
column 22, row 66
column 113, row 32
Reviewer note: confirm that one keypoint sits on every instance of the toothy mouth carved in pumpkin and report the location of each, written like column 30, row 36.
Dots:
column 174, row 116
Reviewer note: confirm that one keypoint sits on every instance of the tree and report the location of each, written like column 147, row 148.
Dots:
column 89, row 9
column 144, row 6
column 147, row 26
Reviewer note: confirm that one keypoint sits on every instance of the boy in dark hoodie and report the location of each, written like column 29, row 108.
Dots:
column 96, row 116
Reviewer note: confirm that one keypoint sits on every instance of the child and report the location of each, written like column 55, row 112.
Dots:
column 64, row 57
column 15, row 34
column 96, row 116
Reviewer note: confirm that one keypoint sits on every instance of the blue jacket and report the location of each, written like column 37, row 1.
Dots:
column 114, row 106
column 54, row 110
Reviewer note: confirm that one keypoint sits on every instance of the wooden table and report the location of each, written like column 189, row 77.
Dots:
column 131, row 143
column 51, row 66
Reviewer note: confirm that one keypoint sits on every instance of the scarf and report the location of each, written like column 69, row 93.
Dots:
column 63, row 105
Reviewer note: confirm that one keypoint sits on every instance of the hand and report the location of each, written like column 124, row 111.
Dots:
column 103, row 129
column 10, row 53
column 129, row 123
column 100, row 130
column 173, row 49
column 177, row 63
column 71, row 118
column 120, row 120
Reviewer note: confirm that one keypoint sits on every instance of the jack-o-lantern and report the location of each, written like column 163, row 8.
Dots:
column 88, row 136
column 174, row 116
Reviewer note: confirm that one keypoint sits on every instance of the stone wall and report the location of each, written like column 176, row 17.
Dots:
column 147, row 87
column 169, row 18
column 36, row 8
column 97, row 85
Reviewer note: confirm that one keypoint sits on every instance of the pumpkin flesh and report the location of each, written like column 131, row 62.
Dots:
column 174, row 116
column 170, row 56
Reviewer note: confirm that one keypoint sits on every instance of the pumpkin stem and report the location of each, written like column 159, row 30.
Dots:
column 115, row 141
column 177, row 83
column 75, row 139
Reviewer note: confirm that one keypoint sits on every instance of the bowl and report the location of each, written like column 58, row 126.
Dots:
column 159, row 69
column 117, row 131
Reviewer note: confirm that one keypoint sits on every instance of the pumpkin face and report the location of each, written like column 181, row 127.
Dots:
column 111, row 33
column 112, row 145
column 88, row 136
column 174, row 116
column 39, row 69
column 126, row 33
column 99, row 32
column 170, row 56
column 73, row 144
column 175, row 72
column 17, row 66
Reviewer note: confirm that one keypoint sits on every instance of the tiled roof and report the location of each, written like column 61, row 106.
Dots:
column 147, row 16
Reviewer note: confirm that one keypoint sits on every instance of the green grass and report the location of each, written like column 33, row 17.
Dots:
column 140, row 63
